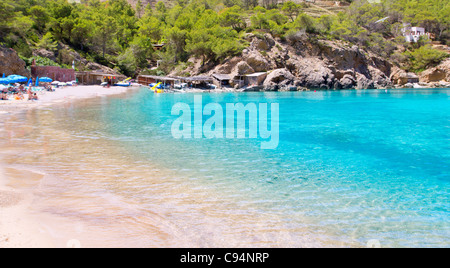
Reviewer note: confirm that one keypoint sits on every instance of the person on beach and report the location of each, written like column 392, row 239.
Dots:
column 32, row 96
column 3, row 96
column 29, row 93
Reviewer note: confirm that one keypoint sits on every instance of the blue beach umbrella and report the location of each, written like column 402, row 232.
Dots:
column 11, row 79
column 37, row 81
column 5, row 81
column 29, row 82
column 17, row 78
column 45, row 80
column 3, row 75
column 22, row 79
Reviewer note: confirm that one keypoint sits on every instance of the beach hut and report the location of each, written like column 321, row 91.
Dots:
column 221, row 80
column 408, row 78
column 153, row 79
column 255, row 79
column 94, row 78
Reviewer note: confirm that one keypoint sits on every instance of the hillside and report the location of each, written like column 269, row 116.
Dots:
column 202, row 35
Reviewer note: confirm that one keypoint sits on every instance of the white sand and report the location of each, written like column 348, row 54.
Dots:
column 59, row 96
column 18, row 227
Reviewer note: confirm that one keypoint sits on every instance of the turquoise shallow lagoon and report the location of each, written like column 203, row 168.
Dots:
column 352, row 168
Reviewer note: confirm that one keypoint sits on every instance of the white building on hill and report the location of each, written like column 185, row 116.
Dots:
column 412, row 34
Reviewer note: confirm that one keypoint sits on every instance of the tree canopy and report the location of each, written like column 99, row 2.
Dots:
column 122, row 36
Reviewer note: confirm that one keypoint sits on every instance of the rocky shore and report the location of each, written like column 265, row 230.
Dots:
column 302, row 64
column 297, row 63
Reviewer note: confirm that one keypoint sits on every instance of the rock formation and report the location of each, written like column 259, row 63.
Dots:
column 301, row 62
column 437, row 74
column 312, row 64
column 10, row 63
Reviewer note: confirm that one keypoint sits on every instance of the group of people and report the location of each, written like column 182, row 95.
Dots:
column 18, row 93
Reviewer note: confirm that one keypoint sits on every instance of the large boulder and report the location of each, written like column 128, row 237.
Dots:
column 312, row 73
column 45, row 54
column 364, row 82
column 10, row 63
column 263, row 44
column 436, row 74
column 396, row 75
column 279, row 77
column 242, row 68
column 346, row 82
column 257, row 61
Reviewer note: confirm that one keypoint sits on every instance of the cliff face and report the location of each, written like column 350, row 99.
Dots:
column 318, row 64
column 437, row 74
column 10, row 63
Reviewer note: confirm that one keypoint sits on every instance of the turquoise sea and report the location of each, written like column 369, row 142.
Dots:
column 353, row 168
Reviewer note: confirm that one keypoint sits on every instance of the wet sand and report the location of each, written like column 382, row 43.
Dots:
column 19, row 228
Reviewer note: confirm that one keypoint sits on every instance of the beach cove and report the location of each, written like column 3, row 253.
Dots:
column 18, row 228
column 106, row 172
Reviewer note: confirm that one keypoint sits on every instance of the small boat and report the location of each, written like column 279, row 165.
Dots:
column 124, row 83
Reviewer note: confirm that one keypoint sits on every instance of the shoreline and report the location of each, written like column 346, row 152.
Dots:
column 21, row 225
column 19, row 228
column 61, row 95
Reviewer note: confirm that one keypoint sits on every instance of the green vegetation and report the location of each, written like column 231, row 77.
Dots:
column 424, row 57
column 121, row 36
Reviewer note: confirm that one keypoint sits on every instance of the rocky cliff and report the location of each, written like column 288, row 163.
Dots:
column 10, row 63
column 440, row 73
column 303, row 63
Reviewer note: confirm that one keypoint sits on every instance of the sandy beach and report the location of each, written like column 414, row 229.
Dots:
column 18, row 227
column 60, row 95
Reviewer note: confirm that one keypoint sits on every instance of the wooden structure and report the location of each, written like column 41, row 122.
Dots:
column 145, row 80
column 221, row 80
column 255, row 79
column 197, row 81
column 171, row 81
column 94, row 78
column 408, row 78
column 158, row 46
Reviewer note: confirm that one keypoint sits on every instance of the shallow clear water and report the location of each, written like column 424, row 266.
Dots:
column 351, row 167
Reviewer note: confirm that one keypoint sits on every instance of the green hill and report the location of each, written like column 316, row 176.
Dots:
column 120, row 34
